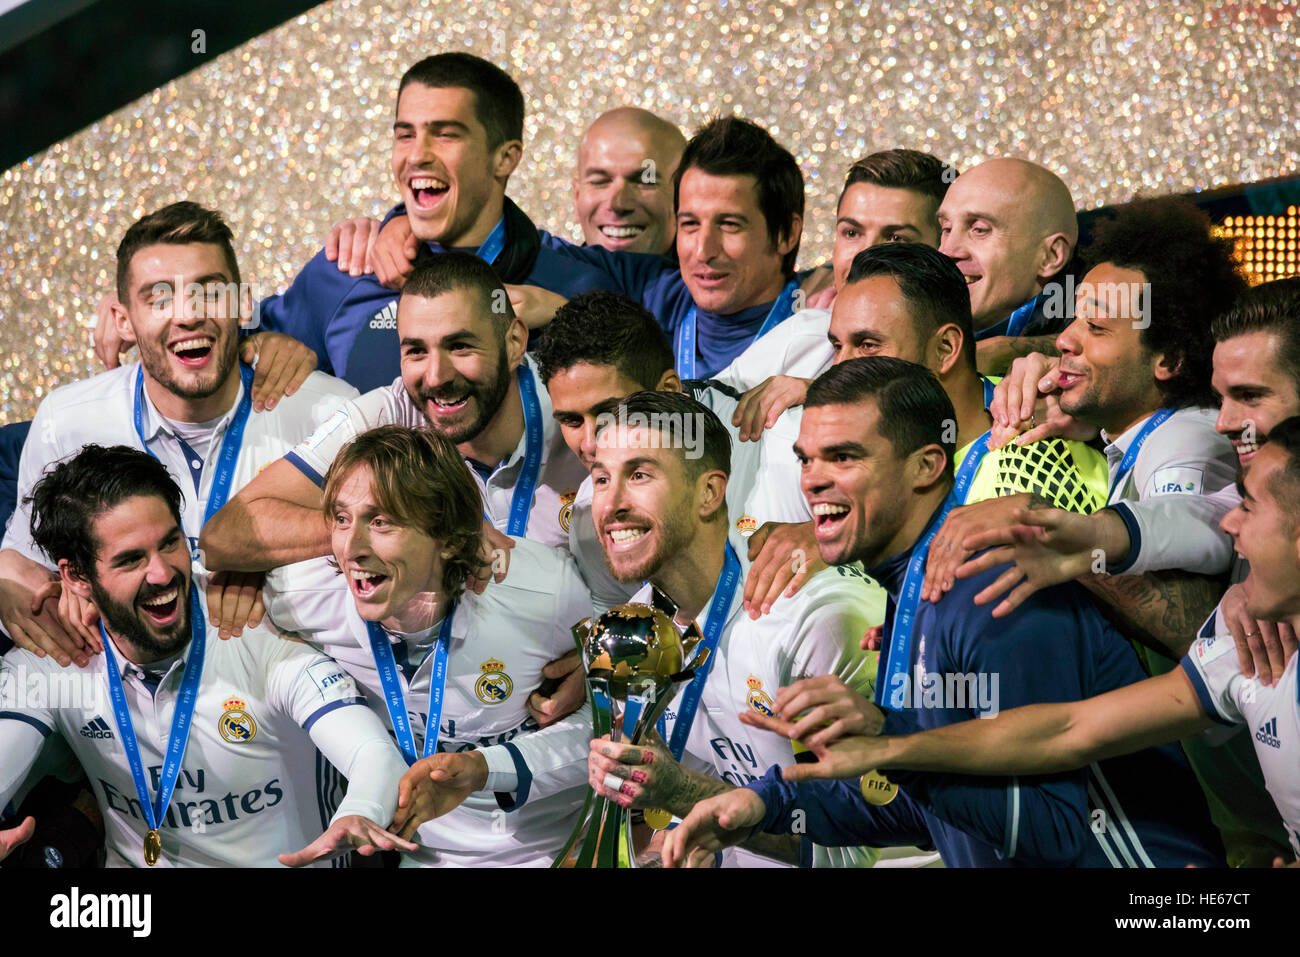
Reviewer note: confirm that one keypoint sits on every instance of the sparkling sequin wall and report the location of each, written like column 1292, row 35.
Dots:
column 290, row 132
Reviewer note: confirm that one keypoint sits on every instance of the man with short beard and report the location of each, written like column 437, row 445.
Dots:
column 1256, row 374
column 234, row 782
column 659, row 500
column 464, row 375
column 187, row 402
column 1208, row 690
column 600, row 348
column 879, row 477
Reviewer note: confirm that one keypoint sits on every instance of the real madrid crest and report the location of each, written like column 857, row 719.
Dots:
column 747, row 525
column 757, row 698
column 493, row 685
column 566, row 508
column 236, row 724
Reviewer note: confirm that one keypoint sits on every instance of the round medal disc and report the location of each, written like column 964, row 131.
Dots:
column 152, row 847
column 878, row 789
column 657, row 818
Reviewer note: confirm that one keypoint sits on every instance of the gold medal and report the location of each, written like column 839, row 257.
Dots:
column 657, row 818
column 878, row 789
column 152, row 847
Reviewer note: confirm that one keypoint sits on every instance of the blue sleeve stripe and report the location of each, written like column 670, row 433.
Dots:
column 1134, row 539
column 504, row 800
column 326, row 709
column 296, row 460
column 36, row 723
column 1202, row 692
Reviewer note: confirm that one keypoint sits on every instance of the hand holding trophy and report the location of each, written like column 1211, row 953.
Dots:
column 635, row 658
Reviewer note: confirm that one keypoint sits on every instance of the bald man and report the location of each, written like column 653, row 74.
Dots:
column 623, row 186
column 1010, row 226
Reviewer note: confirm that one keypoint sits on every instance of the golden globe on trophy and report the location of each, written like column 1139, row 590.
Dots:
column 635, row 658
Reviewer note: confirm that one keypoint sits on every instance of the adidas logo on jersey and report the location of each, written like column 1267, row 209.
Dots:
column 385, row 318
column 1267, row 734
column 97, row 727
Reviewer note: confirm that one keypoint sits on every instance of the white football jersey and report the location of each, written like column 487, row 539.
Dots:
column 815, row 632
column 1269, row 714
column 500, row 641
column 249, row 787
column 1165, row 499
column 101, row 410
column 557, row 484
column 797, row 347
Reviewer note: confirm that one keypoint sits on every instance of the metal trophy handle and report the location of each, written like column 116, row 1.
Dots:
column 635, row 658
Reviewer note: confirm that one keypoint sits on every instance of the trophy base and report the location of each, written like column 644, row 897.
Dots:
column 604, row 838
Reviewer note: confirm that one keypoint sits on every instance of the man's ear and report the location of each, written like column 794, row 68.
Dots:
column 1166, row 367
column 516, row 342
column 505, row 158
column 927, row 465
column 946, row 347
column 121, row 321
column 711, row 493
column 1054, row 253
column 73, row 581
column 670, row 381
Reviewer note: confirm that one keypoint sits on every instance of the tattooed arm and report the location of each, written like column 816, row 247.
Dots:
column 1162, row 610
column 652, row 779
column 994, row 356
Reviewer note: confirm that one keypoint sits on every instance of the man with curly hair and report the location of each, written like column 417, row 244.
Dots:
column 1136, row 364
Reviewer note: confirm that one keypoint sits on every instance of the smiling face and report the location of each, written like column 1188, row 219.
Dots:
column 727, row 261
column 454, row 366
column 644, row 503
column 871, row 318
column 988, row 227
column 392, row 570
column 1256, row 392
column 578, row 395
column 1264, row 534
column 140, row 582
column 871, row 214
column 450, row 181
column 623, row 191
column 183, row 311
column 1106, row 376
column 854, row 483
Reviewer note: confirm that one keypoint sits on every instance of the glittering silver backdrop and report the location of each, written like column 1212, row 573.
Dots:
column 290, row 132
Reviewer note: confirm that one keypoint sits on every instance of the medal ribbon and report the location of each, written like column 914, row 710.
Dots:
column 155, row 811
column 521, row 503
column 897, row 655
column 685, row 344
column 989, row 389
column 1130, row 457
column 724, row 593
column 493, row 245
column 230, row 443
column 382, row 649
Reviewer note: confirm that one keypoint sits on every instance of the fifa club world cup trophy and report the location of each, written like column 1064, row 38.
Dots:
column 635, row 659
